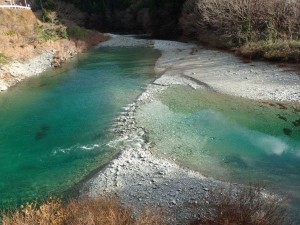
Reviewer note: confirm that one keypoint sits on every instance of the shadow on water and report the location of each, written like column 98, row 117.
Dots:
column 42, row 132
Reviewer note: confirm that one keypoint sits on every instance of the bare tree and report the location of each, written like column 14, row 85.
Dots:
column 242, row 20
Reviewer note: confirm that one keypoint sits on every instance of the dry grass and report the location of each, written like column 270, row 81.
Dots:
column 90, row 211
column 99, row 211
column 51, row 213
column 246, row 206
column 232, row 206
column 23, row 35
column 279, row 50
column 16, row 33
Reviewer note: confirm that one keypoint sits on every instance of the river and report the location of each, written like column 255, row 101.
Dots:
column 55, row 127
column 229, row 138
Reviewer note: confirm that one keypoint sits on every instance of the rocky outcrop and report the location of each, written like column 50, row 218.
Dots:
column 58, row 59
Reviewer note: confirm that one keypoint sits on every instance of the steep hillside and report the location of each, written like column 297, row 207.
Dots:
column 156, row 17
column 18, row 37
column 23, row 35
column 34, row 41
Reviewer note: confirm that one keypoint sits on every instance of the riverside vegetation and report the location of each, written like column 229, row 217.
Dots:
column 268, row 29
column 246, row 206
column 254, row 28
column 98, row 211
column 24, row 34
column 32, row 41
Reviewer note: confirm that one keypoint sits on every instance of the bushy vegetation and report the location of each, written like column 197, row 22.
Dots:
column 245, row 206
column 96, row 6
column 235, row 23
column 3, row 58
column 241, row 21
column 231, row 206
column 98, row 211
column 255, row 28
column 277, row 50
column 50, row 33
column 24, row 34
column 77, row 32
column 156, row 17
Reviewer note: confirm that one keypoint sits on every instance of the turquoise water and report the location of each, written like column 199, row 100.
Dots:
column 228, row 138
column 54, row 128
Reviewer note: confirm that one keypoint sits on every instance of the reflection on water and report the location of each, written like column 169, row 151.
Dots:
column 228, row 138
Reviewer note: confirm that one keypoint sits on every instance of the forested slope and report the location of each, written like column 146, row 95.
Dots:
column 253, row 28
column 157, row 17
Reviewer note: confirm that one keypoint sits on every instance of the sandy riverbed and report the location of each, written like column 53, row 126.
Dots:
column 142, row 179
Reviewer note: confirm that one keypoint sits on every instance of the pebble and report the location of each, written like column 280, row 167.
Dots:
column 32, row 67
column 153, row 183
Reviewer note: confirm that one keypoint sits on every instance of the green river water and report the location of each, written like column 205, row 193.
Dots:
column 228, row 138
column 54, row 128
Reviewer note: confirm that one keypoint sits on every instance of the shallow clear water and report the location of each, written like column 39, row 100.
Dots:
column 229, row 138
column 54, row 128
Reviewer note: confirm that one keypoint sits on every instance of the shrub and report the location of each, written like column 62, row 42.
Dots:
column 49, row 5
column 87, row 211
column 62, row 32
column 49, row 16
column 46, row 33
column 279, row 50
column 76, row 32
column 69, row 12
column 245, row 206
column 3, row 58
column 53, row 33
column 51, row 213
column 98, row 211
column 241, row 21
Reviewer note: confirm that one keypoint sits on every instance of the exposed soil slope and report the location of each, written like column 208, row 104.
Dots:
column 29, row 46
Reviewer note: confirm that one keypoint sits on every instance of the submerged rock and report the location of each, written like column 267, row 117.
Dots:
column 42, row 132
column 287, row 131
column 282, row 117
column 296, row 123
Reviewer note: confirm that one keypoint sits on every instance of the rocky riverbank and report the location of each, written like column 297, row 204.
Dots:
column 51, row 57
column 143, row 180
column 137, row 176
column 140, row 178
column 33, row 41
column 15, row 72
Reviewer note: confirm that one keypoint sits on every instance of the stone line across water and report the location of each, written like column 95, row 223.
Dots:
column 142, row 179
